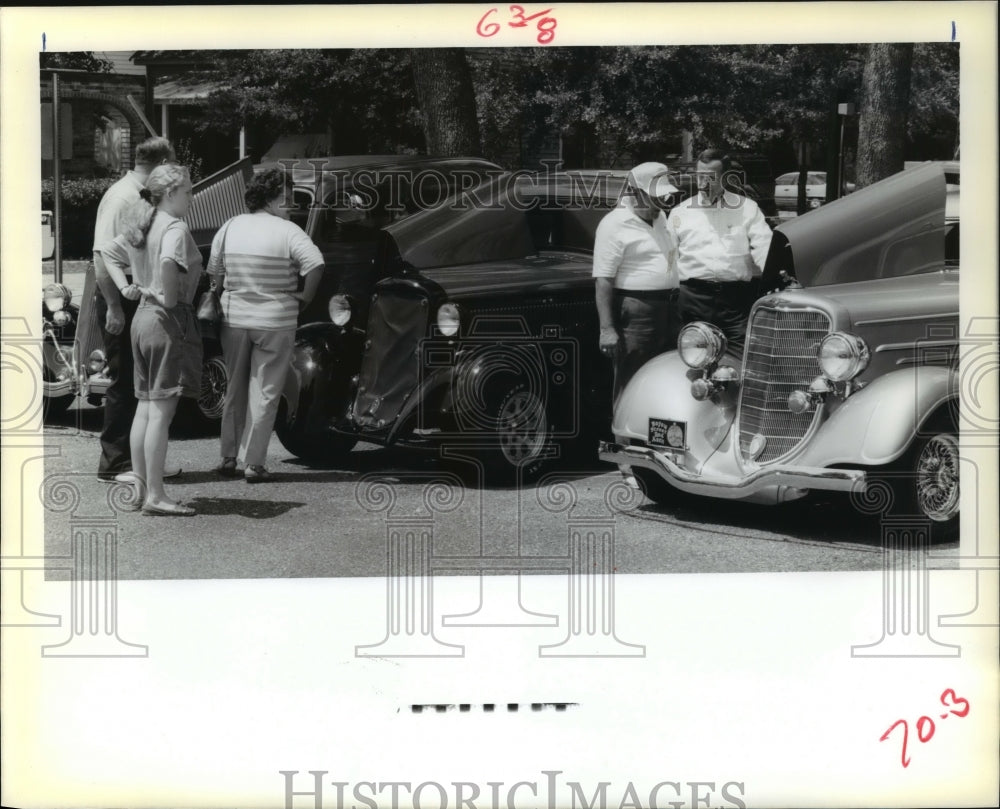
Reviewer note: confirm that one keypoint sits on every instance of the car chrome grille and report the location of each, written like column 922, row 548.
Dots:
column 780, row 358
column 397, row 322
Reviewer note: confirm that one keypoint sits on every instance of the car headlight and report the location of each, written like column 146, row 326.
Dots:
column 56, row 297
column 340, row 310
column 448, row 319
column 95, row 362
column 842, row 356
column 701, row 344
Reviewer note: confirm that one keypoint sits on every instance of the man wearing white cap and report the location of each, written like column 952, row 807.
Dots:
column 636, row 286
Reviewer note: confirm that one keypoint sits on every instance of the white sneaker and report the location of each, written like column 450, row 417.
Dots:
column 630, row 481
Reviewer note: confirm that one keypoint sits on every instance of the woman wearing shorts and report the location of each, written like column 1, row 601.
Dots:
column 166, row 341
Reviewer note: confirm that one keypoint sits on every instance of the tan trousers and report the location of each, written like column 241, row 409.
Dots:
column 257, row 361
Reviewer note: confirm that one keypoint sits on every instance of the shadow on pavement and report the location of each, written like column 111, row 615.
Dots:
column 242, row 507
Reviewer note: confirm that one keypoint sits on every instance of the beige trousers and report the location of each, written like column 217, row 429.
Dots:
column 257, row 361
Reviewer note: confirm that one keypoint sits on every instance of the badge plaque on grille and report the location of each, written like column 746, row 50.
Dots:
column 667, row 433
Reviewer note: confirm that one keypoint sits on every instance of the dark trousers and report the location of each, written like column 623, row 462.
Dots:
column 726, row 305
column 120, row 402
column 647, row 323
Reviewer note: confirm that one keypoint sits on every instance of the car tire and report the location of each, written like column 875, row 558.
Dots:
column 523, row 437
column 924, row 484
column 310, row 447
column 204, row 414
column 655, row 487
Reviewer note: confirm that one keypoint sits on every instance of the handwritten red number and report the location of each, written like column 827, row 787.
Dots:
column 546, row 30
column 489, row 29
column 954, row 701
column 906, row 735
column 518, row 13
column 922, row 722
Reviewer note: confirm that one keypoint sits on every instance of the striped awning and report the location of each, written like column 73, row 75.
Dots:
column 178, row 91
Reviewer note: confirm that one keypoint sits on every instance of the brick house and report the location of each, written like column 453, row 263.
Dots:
column 99, row 125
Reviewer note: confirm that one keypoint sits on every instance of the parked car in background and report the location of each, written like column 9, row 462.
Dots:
column 481, row 334
column 848, row 381
column 786, row 190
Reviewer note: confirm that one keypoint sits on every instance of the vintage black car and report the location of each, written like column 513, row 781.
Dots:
column 481, row 333
column 341, row 202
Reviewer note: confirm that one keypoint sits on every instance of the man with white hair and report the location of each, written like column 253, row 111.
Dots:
column 635, row 284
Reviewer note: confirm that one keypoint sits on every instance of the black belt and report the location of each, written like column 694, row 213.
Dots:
column 647, row 294
column 714, row 286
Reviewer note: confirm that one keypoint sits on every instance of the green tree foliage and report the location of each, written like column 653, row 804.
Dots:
column 76, row 60
column 631, row 102
column 932, row 124
column 363, row 98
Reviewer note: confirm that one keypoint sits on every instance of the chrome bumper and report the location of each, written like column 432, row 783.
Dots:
column 96, row 385
column 736, row 488
column 55, row 390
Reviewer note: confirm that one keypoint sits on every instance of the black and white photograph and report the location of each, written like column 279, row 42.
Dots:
column 500, row 406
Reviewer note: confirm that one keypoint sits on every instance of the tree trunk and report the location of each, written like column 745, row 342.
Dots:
column 885, row 98
column 447, row 101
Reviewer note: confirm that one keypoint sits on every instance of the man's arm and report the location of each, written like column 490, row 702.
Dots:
column 109, row 287
column 309, row 287
column 759, row 235
column 608, row 253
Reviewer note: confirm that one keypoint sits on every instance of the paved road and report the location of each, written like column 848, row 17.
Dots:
column 333, row 521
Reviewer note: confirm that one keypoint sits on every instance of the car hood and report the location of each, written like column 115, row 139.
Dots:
column 892, row 228
column 490, row 222
column 523, row 277
column 479, row 225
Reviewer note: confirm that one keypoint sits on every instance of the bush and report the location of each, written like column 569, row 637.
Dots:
column 80, row 198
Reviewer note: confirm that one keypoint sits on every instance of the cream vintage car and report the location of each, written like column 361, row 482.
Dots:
column 849, row 377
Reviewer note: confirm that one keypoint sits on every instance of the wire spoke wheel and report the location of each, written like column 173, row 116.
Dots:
column 522, row 428
column 937, row 478
column 214, row 381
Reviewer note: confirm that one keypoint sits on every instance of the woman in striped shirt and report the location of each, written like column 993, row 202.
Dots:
column 257, row 260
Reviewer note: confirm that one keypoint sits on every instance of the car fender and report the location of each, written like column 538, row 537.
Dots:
column 877, row 424
column 324, row 362
column 662, row 389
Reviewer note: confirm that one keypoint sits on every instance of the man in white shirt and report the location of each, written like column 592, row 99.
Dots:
column 719, row 241
column 635, row 286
